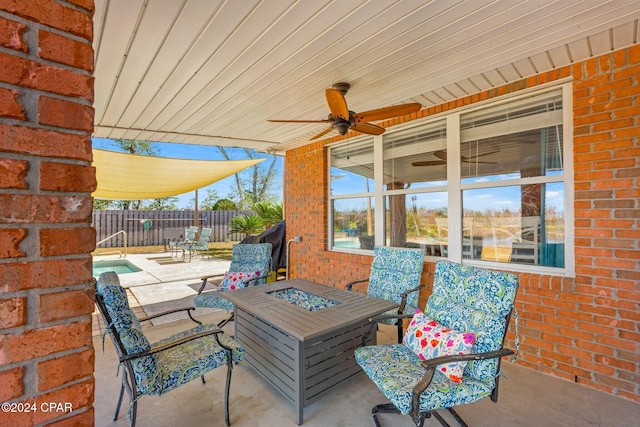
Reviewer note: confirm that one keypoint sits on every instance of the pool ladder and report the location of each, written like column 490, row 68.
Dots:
column 121, row 254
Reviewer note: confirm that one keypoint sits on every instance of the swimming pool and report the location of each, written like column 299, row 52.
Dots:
column 120, row 266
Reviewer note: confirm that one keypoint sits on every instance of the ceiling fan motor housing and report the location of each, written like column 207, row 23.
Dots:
column 342, row 87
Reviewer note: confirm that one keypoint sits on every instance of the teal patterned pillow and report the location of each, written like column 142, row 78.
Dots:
column 428, row 339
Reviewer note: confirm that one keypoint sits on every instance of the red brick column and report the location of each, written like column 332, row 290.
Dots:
column 46, row 180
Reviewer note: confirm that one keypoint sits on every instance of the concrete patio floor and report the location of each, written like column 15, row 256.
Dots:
column 527, row 397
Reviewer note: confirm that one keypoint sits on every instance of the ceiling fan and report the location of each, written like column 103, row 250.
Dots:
column 342, row 119
column 442, row 155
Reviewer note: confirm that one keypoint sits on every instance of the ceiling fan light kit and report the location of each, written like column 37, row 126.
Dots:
column 342, row 119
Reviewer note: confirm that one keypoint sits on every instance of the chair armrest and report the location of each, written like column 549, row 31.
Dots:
column 376, row 319
column 164, row 313
column 466, row 357
column 349, row 285
column 403, row 296
column 250, row 282
column 176, row 343
column 204, row 281
column 431, row 364
column 374, row 322
column 175, row 310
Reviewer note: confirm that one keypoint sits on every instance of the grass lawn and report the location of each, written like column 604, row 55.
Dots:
column 220, row 250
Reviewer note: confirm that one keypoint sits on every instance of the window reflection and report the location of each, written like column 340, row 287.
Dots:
column 416, row 157
column 353, row 223
column 411, row 221
column 525, row 224
column 352, row 168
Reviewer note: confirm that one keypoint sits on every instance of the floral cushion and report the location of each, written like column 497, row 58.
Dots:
column 236, row 279
column 428, row 339
column 394, row 271
column 395, row 369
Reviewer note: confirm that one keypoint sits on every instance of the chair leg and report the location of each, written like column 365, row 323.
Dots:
column 115, row 416
column 458, row 418
column 389, row 408
column 134, row 413
column 227, row 387
column 385, row 408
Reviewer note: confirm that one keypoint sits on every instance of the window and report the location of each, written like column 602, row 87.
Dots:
column 352, row 190
column 483, row 186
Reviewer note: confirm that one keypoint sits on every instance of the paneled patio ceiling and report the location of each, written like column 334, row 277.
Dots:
column 212, row 72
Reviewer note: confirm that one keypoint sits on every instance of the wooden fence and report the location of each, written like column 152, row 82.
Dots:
column 164, row 226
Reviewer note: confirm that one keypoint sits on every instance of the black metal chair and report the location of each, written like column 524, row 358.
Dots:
column 465, row 319
column 156, row 368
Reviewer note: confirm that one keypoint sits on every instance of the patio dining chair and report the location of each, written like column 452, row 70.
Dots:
column 395, row 276
column 156, row 368
column 250, row 265
column 201, row 246
column 451, row 353
column 189, row 236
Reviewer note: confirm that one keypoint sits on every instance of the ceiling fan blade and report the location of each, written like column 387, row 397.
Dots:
column 367, row 128
column 482, row 155
column 323, row 133
column 387, row 112
column 337, row 104
column 477, row 162
column 429, row 163
column 299, row 121
column 441, row 154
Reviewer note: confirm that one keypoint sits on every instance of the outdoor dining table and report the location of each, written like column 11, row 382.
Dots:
column 300, row 336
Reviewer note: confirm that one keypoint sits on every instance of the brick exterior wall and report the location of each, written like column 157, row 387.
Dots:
column 584, row 329
column 46, row 180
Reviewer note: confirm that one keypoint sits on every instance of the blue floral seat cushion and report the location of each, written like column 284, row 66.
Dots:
column 476, row 300
column 204, row 355
column 394, row 271
column 395, row 369
column 211, row 299
column 128, row 328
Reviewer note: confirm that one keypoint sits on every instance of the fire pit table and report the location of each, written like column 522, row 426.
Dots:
column 300, row 336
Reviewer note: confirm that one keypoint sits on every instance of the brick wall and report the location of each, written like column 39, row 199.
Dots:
column 584, row 329
column 46, row 299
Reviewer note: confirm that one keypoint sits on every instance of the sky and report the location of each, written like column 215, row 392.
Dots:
column 195, row 152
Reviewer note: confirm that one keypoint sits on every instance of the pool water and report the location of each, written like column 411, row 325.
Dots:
column 119, row 266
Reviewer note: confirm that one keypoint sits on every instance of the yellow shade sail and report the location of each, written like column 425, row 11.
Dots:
column 123, row 176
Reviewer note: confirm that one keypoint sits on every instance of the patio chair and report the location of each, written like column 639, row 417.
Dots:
column 250, row 265
column 201, row 246
column 395, row 276
column 156, row 368
column 189, row 236
column 465, row 320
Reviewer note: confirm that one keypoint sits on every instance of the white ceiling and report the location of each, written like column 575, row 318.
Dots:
column 212, row 72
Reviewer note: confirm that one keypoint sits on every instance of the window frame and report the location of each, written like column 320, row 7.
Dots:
column 455, row 187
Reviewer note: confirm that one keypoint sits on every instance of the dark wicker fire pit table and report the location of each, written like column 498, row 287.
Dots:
column 300, row 336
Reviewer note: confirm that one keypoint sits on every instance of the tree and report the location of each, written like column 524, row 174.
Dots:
column 209, row 201
column 225, row 205
column 248, row 224
column 270, row 213
column 101, row 204
column 256, row 185
column 163, row 204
